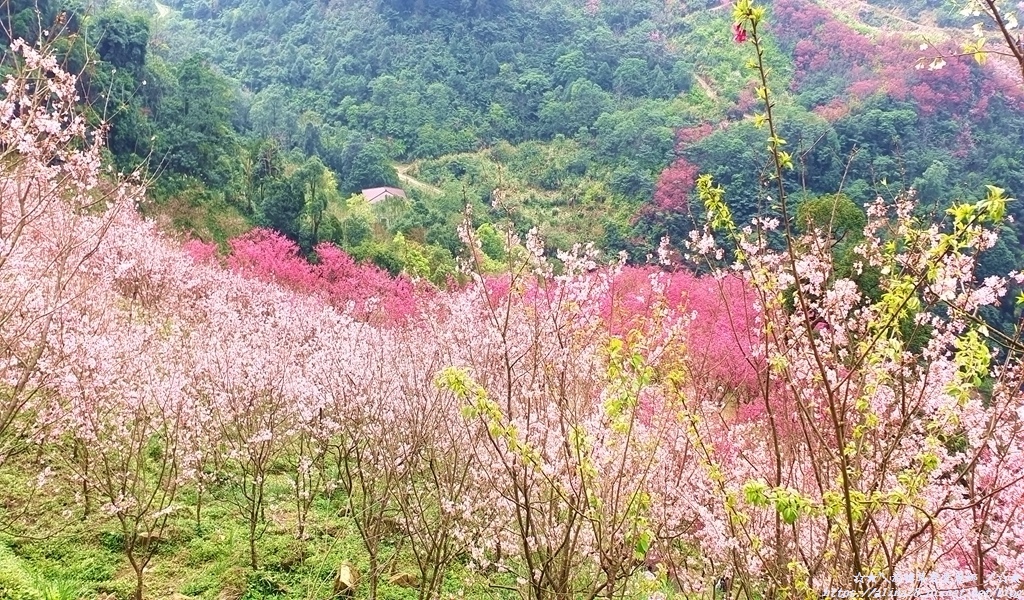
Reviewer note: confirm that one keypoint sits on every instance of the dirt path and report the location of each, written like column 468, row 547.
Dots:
column 853, row 9
column 406, row 179
column 704, row 85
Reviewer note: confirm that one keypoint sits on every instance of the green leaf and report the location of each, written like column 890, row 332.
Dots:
column 756, row 493
column 643, row 544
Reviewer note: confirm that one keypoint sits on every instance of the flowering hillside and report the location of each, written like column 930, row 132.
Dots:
column 786, row 425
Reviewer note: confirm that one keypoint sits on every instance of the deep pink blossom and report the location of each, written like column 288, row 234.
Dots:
column 739, row 34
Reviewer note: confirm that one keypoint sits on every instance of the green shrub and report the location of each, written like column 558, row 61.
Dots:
column 15, row 582
column 112, row 540
column 264, row 584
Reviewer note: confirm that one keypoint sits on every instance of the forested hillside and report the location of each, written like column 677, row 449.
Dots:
column 588, row 117
column 589, row 121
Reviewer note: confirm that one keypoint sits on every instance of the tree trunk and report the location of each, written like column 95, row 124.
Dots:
column 199, row 508
column 253, row 562
column 138, row 584
column 374, row 575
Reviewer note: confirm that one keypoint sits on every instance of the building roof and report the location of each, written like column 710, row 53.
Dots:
column 382, row 193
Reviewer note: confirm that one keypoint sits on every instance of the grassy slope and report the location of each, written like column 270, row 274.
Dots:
column 213, row 220
column 69, row 557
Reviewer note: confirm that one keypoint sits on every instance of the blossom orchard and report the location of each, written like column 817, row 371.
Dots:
column 564, row 429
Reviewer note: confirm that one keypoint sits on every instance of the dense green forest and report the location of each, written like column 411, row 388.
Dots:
column 587, row 120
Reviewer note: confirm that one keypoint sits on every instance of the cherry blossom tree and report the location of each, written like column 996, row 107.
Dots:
column 53, row 214
column 868, row 461
column 250, row 381
column 446, row 505
column 127, row 407
column 563, row 393
column 370, row 441
column 55, row 210
column 674, row 186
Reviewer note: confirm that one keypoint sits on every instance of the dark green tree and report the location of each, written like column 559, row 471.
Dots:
column 632, row 77
column 195, row 135
column 314, row 177
column 121, row 39
column 833, row 214
column 362, row 164
column 283, row 205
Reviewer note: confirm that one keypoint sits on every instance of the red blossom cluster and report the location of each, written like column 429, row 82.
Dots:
column 674, row 186
column 739, row 34
column 365, row 290
column 691, row 135
column 883, row 63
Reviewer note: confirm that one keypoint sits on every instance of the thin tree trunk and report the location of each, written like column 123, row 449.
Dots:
column 138, row 584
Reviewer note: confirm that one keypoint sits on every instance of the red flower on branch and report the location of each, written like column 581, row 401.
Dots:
column 739, row 34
